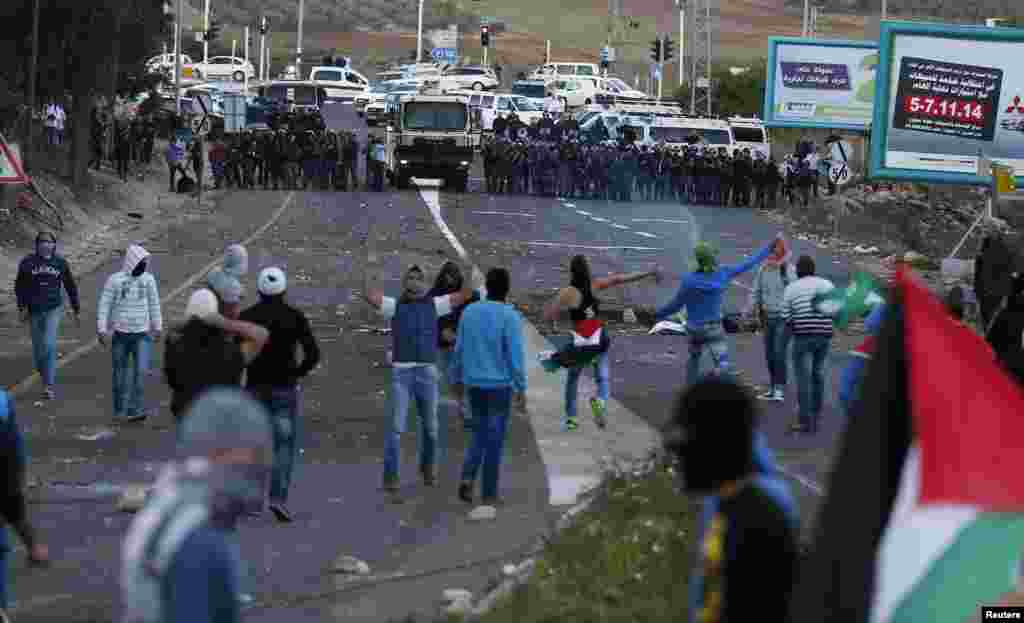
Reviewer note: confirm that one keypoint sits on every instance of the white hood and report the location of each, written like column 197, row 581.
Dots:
column 133, row 256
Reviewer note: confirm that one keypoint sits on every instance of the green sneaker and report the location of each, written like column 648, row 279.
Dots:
column 571, row 425
column 391, row 484
column 597, row 406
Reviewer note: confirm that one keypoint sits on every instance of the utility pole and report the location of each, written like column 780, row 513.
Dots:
column 885, row 9
column 33, row 70
column 682, row 40
column 547, row 53
column 807, row 19
column 245, row 81
column 419, row 35
column 298, row 48
column 206, row 30
column 177, row 58
column 661, row 65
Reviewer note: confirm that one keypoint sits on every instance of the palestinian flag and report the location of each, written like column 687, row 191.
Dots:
column 924, row 517
column 851, row 302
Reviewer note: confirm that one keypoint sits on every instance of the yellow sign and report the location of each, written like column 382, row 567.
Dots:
column 1006, row 178
column 186, row 72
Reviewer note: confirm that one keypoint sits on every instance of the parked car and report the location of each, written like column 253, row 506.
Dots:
column 223, row 68
column 565, row 70
column 534, row 90
column 163, row 63
column 490, row 105
column 341, row 83
column 476, row 78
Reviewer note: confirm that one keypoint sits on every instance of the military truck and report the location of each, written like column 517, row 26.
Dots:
column 431, row 135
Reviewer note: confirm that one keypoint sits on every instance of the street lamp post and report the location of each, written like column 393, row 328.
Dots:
column 206, row 30
column 298, row 51
column 177, row 58
column 682, row 38
column 419, row 34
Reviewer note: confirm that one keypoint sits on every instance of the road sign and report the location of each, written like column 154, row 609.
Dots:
column 444, row 54
column 11, row 171
column 234, row 112
column 839, row 174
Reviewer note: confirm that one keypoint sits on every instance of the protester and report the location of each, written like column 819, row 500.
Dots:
column 129, row 309
column 273, row 376
column 414, row 319
column 175, row 156
column 812, row 335
column 853, row 373
column 956, row 303
column 39, row 288
column 13, row 507
column 749, row 543
column 204, row 352
column 1006, row 332
column 766, row 299
column 700, row 294
column 181, row 560
column 450, row 280
column 579, row 301
column 992, row 270
column 490, row 360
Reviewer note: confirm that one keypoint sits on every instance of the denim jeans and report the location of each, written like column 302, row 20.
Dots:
column 572, row 381
column 417, row 383
column 447, row 372
column 129, row 354
column 43, row 328
column 710, row 338
column 776, row 341
column 809, row 353
column 283, row 405
column 5, row 550
column 491, row 410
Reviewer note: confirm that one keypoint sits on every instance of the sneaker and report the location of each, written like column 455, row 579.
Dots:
column 281, row 512
column 134, row 419
column 428, row 477
column 571, row 425
column 466, row 492
column 768, row 395
column 778, row 396
column 391, row 484
column 49, row 394
column 597, row 406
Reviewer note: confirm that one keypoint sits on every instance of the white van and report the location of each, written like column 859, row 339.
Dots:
column 489, row 105
column 651, row 128
column 340, row 83
column 751, row 134
column 566, row 70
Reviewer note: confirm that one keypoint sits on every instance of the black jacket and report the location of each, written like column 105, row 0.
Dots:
column 275, row 366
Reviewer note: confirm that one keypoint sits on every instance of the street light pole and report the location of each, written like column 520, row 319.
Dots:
column 298, row 51
column 177, row 57
column 807, row 17
column 419, row 35
column 206, row 30
column 33, row 69
column 682, row 38
column 885, row 9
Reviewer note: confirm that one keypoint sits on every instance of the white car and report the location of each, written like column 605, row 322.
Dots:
column 164, row 63
column 575, row 92
column 620, row 89
column 491, row 105
column 476, row 78
column 223, row 68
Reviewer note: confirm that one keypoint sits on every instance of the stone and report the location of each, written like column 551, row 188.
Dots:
column 456, row 594
column 509, row 570
column 483, row 513
column 132, row 499
column 350, row 565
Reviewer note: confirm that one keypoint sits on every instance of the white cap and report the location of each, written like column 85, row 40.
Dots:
column 271, row 281
column 201, row 304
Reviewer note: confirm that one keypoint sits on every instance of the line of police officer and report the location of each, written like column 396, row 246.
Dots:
column 554, row 158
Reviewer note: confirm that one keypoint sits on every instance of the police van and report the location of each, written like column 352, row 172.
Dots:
column 658, row 125
column 751, row 134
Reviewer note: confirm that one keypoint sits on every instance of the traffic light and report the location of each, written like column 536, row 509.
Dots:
column 485, row 37
column 656, row 50
column 264, row 25
column 669, row 51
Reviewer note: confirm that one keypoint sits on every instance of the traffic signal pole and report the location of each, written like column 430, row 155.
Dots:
column 661, row 67
column 206, row 32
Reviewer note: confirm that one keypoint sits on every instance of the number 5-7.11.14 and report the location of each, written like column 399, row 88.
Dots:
column 944, row 107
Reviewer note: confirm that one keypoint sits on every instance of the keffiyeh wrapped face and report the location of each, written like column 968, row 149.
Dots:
column 705, row 257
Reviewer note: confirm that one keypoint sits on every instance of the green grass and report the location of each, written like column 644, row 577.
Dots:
column 626, row 558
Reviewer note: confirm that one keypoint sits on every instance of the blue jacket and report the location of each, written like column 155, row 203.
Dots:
column 39, row 282
column 701, row 293
column 849, row 381
column 201, row 585
column 771, row 480
column 488, row 350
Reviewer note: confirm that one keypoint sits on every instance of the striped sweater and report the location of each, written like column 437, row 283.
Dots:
column 798, row 306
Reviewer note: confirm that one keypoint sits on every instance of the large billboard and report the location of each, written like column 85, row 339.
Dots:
column 820, row 83
column 948, row 96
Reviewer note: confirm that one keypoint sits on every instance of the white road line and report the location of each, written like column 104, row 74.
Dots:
column 188, row 283
column 644, row 234
column 617, row 226
column 569, row 205
column 599, row 219
column 809, row 484
column 527, row 215
column 595, row 248
column 584, row 213
column 660, row 220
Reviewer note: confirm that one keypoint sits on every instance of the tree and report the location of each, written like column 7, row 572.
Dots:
column 733, row 93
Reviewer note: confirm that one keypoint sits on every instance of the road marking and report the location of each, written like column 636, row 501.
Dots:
column 617, row 226
column 188, row 283
column 568, row 205
column 584, row 213
column 527, row 215
column 595, row 248
column 809, row 484
column 644, row 234
column 599, row 219
column 660, row 220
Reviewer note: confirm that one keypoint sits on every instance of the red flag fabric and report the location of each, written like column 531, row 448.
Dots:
column 967, row 412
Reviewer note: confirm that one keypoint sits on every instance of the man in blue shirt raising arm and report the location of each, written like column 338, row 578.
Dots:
column 700, row 293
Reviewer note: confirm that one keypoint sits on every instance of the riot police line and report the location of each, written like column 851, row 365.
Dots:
column 554, row 158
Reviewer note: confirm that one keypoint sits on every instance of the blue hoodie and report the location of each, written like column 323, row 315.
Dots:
column 488, row 350
column 770, row 479
column 701, row 293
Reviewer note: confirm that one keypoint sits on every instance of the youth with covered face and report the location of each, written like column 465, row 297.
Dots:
column 414, row 319
column 42, row 278
column 589, row 336
column 450, row 280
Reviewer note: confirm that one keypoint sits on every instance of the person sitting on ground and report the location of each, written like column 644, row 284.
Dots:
column 753, row 527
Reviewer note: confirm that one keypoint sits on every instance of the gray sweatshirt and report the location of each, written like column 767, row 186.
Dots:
column 769, row 286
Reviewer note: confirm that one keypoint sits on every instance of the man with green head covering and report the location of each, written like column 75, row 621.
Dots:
column 700, row 293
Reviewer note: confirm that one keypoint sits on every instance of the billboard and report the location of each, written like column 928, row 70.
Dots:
column 820, row 83
column 948, row 96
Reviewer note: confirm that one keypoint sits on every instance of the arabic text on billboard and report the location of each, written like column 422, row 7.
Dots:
column 823, row 85
column 953, row 100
